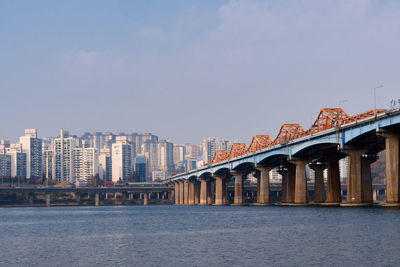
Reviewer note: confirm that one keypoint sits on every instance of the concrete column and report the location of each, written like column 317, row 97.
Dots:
column 181, row 193
column 203, row 192
column 186, row 192
column 210, row 192
column 258, row 187
column 319, row 188
column 283, row 173
column 263, row 188
column 145, row 199
column 333, row 188
column 47, row 199
column 191, row 193
column 367, row 177
column 225, row 192
column 96, row 198
column 392, row 168
column 239, row 192
column 176, row 193
column 219, row 190
column 196, row 193
column 355, row 182
column 301, row 192
column 289, row 184
column 31, row 198
column 78, row 197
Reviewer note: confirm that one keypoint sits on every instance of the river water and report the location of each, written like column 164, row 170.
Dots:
column 199, row 236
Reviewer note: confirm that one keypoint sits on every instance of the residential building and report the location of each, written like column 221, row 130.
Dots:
column 63, row 168
column 121, row 159
column 165, row 152
column 105, row 164
column 32, row 146
column 211, row 144
column 141, row 168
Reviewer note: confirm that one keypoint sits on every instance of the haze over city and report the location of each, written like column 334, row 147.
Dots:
column 187, row 70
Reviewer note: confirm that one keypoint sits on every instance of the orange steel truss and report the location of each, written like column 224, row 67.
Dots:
column 259, row 142
column 220, row 155
column 327, row 118
column 364, row 115
column 237, row 150
column 288, row 132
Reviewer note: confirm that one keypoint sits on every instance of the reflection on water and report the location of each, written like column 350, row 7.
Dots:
column 199, row 236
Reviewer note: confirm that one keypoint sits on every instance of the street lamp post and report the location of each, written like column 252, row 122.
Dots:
column 380, row 86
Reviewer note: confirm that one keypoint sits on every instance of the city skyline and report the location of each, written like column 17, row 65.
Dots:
column 132, row 66
column 112, row 157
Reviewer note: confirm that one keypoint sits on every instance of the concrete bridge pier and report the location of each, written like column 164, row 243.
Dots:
column 392, row 168
column 210, row 192
column 204, row 192
column 220, row 190
column 355, row 187
column 366, row 162
column 263, row 188
column 239, row 177
column 186, row 192
column 78, row 197
column 47, row 199
column 333, row 188
column 288, row 183
column 283, row 172
column 96, row 198
column 31, row 198
column 172, row 195
column 191, row 193
column 301, row 192
column 181, row 193
column 177, row 194
column 196, row 193
column 319, row 188
column 145, row 199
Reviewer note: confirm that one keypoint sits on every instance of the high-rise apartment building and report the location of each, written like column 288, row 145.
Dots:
column 90, row 163
column 141, row 168
column 165, row 153
column 18, row 160
column 63, row 167
column 193, row 151
column 48, row 161
column 77, row 162
column 5, row 166
column 121, row 159
column 105, row 164
column 210, row 145
column 32, row 147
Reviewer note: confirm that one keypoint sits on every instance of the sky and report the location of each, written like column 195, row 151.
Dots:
column 186, row 70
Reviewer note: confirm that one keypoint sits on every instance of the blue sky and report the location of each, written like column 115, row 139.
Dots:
column 186, row 70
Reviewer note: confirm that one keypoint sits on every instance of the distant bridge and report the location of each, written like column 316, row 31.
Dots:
column 145, row 191
column 334, row 135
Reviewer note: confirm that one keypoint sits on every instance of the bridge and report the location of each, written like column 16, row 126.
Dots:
column 333, row 136
column 143, row 191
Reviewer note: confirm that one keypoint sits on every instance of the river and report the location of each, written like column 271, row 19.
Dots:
column 199, row 236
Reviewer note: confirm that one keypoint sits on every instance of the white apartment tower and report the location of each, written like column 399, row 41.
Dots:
column 32, row 147
column 63, row 157
column 121, row 157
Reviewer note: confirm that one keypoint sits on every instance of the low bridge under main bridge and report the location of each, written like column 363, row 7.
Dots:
column 333, row 136
column 142, row 191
